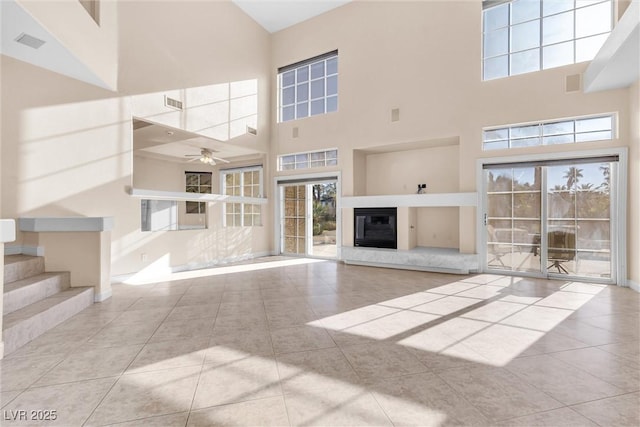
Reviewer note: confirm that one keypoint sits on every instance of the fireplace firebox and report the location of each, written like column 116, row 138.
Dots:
column 375, row 227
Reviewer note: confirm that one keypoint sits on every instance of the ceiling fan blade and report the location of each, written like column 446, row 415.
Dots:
column 193, row 160
column 220, row 159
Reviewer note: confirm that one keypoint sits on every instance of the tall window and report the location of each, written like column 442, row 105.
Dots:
column 245, row 182
column 521, row 36
column 197, row 182
column 308, row 88
column 568, row 131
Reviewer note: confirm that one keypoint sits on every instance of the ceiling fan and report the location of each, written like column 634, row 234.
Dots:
column 206, row 156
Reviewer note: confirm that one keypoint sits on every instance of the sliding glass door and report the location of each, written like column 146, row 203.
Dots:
column 551, row 218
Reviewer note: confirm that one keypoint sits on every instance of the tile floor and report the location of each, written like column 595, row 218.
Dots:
column 282, row 341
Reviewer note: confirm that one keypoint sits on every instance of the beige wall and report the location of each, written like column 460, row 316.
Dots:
column 412, row 56
column 67, row 146
column 97, row 45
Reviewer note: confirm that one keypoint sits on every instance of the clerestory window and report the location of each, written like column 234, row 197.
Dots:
column 308, row 88
column 522, row 36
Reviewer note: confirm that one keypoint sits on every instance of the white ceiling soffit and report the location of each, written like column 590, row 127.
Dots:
column 617, row 64
column 276, row 15
column 52, row 55
column 162, row 142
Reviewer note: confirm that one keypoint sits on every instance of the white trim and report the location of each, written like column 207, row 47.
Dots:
column 633, row 285
column 620, row 214
column 412, row 200
column 121, row 278
column 1, row 349
column 7, row 230
column 320, row 176
column 65, row 224
column 184, row 196
column 102, row 296
column 24, row 250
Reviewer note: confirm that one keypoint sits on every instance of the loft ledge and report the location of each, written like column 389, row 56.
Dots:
column 66, row 224
column 7, row 230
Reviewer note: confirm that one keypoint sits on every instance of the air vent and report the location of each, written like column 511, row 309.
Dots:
column 173, row 103
column 395, row 114
column 573, row 83
column 30, row 41
column 252, row 131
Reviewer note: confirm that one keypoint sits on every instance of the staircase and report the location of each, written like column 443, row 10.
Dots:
column 35, row 301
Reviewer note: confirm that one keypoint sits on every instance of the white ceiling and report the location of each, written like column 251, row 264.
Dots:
column 52, row 55
column 170, row 144
column 275, row 15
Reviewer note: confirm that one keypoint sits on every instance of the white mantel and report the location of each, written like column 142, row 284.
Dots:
column 411, row 200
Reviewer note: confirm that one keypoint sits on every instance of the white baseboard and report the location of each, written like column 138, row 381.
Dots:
column 1, row 349
column 121, row 278
column 24, row 250
column 99, row 297
column 633, row 285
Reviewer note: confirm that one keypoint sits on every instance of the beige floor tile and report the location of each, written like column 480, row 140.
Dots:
column 228, row 347
column 379, row 360
column 493, row 311
column 300, row 338
column 181, row 312
column 452, row 288
column 124, row 334
column 170, row 354
column 411, row 300
column 565, row 417
column 629, row 350
column 344, row 405
column 19, row 373
column 444, row 334
column 551, row 342
column 615, row 370
column 147, row 394
column 179, row 419
column 149, row 302
column 261, row 412
column 591, row 335
column 537, row 318
column 314, row 370
column 72, row 403
column 425, row 399
column 498, row 393
column 500, row 344
column 286, row 318
column 7, row 396
column 562, row 381
column 183, row 328
column 619, row 411
column 566, row 300
column 50, row 344
column 246, row 379
column 354, row 317
column 154, row 315
column 448, row 305
column 91, row 364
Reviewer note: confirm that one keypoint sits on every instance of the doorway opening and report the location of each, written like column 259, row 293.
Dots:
column 308, row 218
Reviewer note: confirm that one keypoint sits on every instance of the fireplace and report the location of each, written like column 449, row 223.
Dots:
column 375, row 227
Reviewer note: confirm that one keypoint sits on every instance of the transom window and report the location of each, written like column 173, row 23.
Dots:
column 309, row 87
column 312, row 159
column 244, row 182
column 521, row 36
column 568, row 131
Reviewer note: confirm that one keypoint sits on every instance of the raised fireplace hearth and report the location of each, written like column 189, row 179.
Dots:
column 376, row 228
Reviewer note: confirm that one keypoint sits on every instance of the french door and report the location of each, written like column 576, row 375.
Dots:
column 552, row 218
column 308, row 223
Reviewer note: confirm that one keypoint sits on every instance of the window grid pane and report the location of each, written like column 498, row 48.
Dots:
column 585, row 129
column 309, row 90
column 308, row 160
column 523, row 36
column 244, row 183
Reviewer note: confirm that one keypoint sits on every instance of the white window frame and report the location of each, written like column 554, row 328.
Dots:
column 544, row 135
column 306, row 160
column 242, row 205
column 302, row 88
column 540, row 45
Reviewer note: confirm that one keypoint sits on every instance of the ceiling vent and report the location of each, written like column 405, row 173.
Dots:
column 252, row 130
column 173, row 103
column 573, row 83
column 30, row 41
